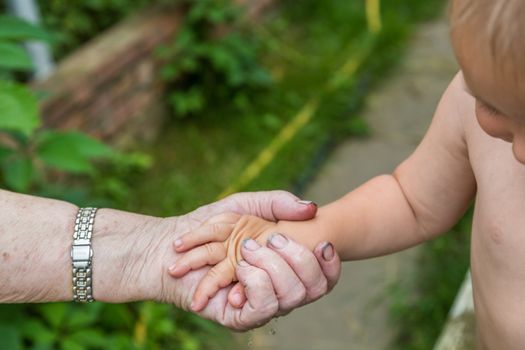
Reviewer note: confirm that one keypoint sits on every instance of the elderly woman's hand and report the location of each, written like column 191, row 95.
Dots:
column 274, row 281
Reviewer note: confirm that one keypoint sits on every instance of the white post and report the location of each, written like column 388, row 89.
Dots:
column 38, row 51
column 457, row 333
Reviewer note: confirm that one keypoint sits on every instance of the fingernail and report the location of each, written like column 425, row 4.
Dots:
column 278, row 241
column 328, row 252
column 305, row 202
column 177, row 243
column 250, row 244
column 173, row 268
column 242, row 263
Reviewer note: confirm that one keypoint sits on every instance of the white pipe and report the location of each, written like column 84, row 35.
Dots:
column 38, row 51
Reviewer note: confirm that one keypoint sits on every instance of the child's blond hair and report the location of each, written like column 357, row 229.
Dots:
column 501, row 25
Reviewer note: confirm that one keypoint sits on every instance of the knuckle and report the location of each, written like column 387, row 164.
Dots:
column 278, row 193
column 300, row 293
column 259, row 280
column 302, row 257
column 216, row 229
column 228, row 216
column 210, row 249
column 231, row 217
column 269, row 308
column 320, row 289
column 238, row 323
column 260, row 276
column 295, row 297
column 256, row 258
column 212, row 274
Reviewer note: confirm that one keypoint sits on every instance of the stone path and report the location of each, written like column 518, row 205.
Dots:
column 355, row 314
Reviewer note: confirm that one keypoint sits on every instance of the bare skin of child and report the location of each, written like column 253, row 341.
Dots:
column 474, row 150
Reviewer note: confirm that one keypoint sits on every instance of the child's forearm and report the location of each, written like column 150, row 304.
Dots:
column 374, row 219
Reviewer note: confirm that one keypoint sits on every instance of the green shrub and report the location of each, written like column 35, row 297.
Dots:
column 211, row 61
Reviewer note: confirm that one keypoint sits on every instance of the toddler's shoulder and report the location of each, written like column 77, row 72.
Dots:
column 460, row 104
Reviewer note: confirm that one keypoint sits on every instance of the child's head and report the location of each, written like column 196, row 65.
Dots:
column 488, row 39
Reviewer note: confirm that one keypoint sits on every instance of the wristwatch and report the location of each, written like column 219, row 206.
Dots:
column 82, row 254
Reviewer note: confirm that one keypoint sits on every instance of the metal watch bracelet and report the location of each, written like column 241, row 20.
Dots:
column 81, row 255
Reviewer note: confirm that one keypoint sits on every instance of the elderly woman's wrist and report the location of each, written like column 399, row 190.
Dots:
column 127, row 248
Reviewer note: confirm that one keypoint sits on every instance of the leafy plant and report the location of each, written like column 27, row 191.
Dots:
column 210, row 60
column 26, row 151
column 33, row 159
column 12, row 55
column 104, row 326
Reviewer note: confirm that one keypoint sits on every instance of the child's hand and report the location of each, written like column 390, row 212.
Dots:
column 218, row 242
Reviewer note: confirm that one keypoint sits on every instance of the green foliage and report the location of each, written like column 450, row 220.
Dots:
column 76, row 22
column 70, row 151
column 420, row 309
column 104, row 326
column 25, row 151
column 13, row 28
column 26, row 160
column 211, row 61
column 18, row 108
column 12, row 55
column 31, row 156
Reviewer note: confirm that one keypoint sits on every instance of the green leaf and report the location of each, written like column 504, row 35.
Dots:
column 163, row 327
column 117, row 316
column 5, row 153
column 53, row 313
column 36, row 331
column 42, row 347
column 84, row 144
column 120, row 341
column 71, row 151
column 18, row 172
column 186, row 102
column 18, row 108
column 13, row 56
column 10, row 338
column 83, row 316
column 13, row 28
column 68, row 344
column 90, row 338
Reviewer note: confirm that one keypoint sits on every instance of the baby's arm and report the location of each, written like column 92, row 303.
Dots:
column 425, row 195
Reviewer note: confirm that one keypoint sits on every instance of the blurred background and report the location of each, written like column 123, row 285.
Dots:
column 160, row 106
